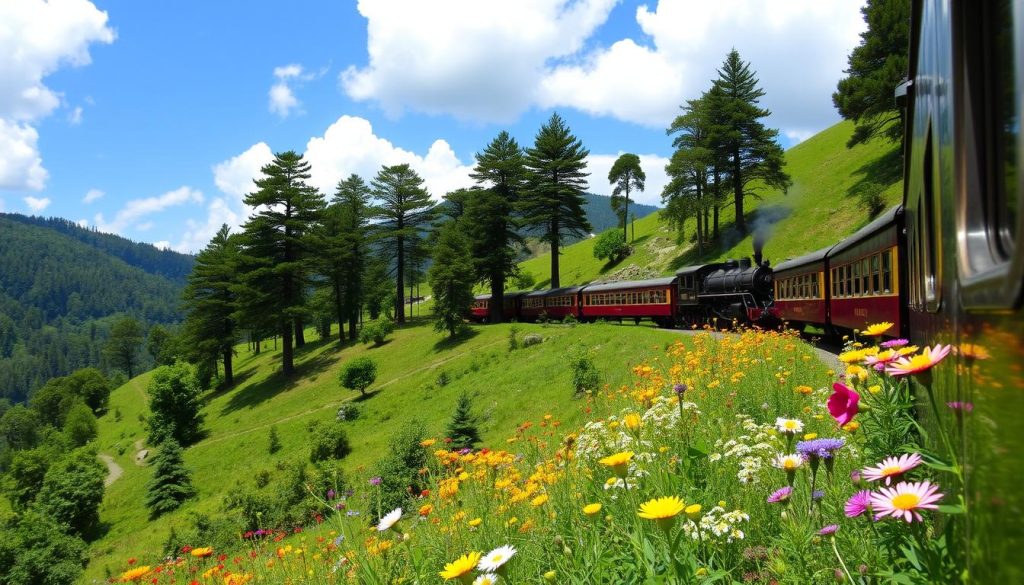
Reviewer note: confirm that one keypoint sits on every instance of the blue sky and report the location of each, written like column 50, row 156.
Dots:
column 151, row 119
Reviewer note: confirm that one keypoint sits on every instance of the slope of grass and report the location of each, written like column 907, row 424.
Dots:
column 819, row 209
column 507, row 388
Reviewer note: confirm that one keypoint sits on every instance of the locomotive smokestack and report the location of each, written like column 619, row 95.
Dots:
column 758, row 246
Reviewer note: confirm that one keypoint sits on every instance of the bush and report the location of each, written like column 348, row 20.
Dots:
column 273, row 441
column 175, row 399
column 513, row 337
column 399, row 470
column 376, row 331
column 585, row 377
column 72, row 491
column 570, row 319
column 329, row 442
column 462, row 428
column 347, row 412
column 611, row 246
column 532, row 339
column 358, row 374
column 870, row 194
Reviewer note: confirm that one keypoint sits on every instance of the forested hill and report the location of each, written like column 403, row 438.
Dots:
column 62, row 286
column 600, row 214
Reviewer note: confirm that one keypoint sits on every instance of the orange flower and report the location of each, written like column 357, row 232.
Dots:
column 202, row 552
column 134, row 574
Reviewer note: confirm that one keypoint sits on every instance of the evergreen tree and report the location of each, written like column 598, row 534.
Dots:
column 687, row 192
column 171, row 483
column 122, row 348
column 626, row 175
column 462, row 427
column 379, row 289
column 72, row 491
column 752, row 150
column 403, row 209
column 175, row 399
column 556, row 180
column 451, row 279
column 156, row 341
column 353, row 198
column 274, row 247
column 211, row 297
column 273, row 440
column 490, row 222
column 876, row 66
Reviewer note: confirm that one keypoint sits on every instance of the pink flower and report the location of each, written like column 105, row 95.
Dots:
column 842, row 405
column 858, row 503
column 920, row 363
column 891, row 467
column 904, row 500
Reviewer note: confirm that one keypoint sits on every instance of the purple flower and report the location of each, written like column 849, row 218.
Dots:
column 858, row 503
column 894, row 343
column 331, row 494
column 339, row 539
column 375, row 480
column 817, row 495
column 829, row 530
column 352, row 513
column 961, row 406
column 780, row 495
column 855, row 477
column 680, row 389
column 823, row 448
column 465, row 451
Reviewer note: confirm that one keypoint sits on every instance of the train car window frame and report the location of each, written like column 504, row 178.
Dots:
column 989, row 72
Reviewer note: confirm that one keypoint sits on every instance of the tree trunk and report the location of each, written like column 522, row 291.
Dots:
column 718, row 200
column 737, row 191
column 353, row 318
column 496, row 312
column 554, row 254
column 700, row 236
column 229, row 375
column 400, row 281
column 300, row 335
column 339, row 306
column 287, row 355
column 625, row 216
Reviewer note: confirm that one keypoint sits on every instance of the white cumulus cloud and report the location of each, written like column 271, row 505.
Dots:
column 282, row 94
column 37, row 37
column 480, row 60
column 92, row 195
column 37, row 204
column 136, row 209
column 75, row 116
column 653, row 165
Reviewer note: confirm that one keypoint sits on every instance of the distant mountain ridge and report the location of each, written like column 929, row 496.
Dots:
column 61, row 286
column 602, row 217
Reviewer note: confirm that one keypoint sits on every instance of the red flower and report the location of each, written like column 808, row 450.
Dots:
column 842, row 405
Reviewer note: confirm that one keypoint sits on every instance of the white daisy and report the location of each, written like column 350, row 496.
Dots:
column 486, row 579
column 496, row 558
column 788, row 462
column 789, row 426
column 389, row 520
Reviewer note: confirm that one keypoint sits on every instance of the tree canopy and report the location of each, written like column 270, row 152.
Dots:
column 626, row 175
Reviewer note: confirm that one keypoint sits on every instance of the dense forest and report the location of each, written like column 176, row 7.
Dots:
column 61, row 289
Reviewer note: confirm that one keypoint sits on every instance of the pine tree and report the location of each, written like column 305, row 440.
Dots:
column 876, row 66
column 626, row 175
column 403, row 209
column 462, row 428
column 274, row 248
column 211, row 298
column 273, row 440
column 490, row 222
column 687, row 192
column 171, row 483
column 556, row 180
column 122, row 348
column 451, row 279
column 353, row 200
column 752, row 150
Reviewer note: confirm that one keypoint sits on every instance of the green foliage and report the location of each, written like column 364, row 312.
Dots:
column 376, row 331
column 329, row 442
column 36, row 550
column 585, row 376
column 273, row 440
column 626, row 175
column 451, row 279
column 358, row 374
column 25, row 475
column 379, row 290
column 19, row 427
column 399, row 470
column 462, row 426
column 343, row 250
column 122, row 347
column 611, row 246
column 871, row 196
column 175, row 400
column 403, row 208
column 158, row 344
column 876, row 66
column 513, row 337
column 171, row 483
column 72, row 491
column 275, row 245
column 211, row 297
column 80, row 425
column 556, row 179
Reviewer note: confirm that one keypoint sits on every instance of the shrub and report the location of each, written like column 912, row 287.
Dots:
column 273, row 441
column 513, row 337
column 443, row 379
column 175, row 399
column 376, row 331
column 358, row 374
column 570, row 319
column 72, row 491
column 462, row 428
column 585, row 377
column 329, row 442
column 347, row 412
column 870, row 194
column 532, row 339
column 399, row 470
column 611, row 246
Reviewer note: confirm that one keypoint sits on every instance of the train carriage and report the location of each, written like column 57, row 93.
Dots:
column 531, row 305
column 864, row 274
column 801, row 289
column 562, row 302
column 653, row 299
column 480, row 309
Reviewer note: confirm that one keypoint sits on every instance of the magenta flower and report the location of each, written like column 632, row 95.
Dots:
column 858, row 504
column 961, row 406
column 894, row 343
column 904, row 500
column 829, row 530
column 780, row 495
column 842, row 405
column 375, row 480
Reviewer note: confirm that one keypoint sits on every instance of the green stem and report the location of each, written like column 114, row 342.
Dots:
column 841, row 563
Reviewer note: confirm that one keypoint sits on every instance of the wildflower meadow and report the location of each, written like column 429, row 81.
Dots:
column 730, row 458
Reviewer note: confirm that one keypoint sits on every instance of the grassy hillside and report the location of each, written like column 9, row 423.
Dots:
column 507, row 387
column 819, row 209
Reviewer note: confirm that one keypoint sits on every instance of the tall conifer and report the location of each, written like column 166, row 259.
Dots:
column 211, row 298
column 171, row 483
